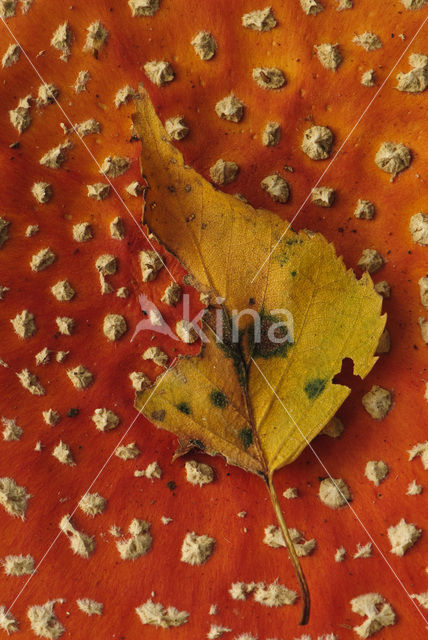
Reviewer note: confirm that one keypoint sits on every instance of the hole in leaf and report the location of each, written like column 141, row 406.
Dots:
column 346, row 374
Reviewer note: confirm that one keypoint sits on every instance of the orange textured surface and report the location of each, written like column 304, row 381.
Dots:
column 312, row 95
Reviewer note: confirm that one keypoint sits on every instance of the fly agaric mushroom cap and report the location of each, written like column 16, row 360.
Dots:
column 312, row 96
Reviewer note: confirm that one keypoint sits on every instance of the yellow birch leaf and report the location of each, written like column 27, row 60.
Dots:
column 330, row 315
column 256, row 400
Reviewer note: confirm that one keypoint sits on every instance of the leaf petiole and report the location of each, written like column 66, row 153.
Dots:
column 290, row 546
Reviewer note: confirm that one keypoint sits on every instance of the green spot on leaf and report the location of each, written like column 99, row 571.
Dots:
column 184, row 407
column 315, row 387
column 198, row 443
column 219, row 399
column 293, row 274
column 232, row 349
column 283, row 258
column 291, row 241
column 246, row 436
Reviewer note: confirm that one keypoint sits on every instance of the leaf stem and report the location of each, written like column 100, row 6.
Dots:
column 293, row 556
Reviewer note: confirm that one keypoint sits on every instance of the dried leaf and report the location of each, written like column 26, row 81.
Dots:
column 253, row 399
column 221, row 400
